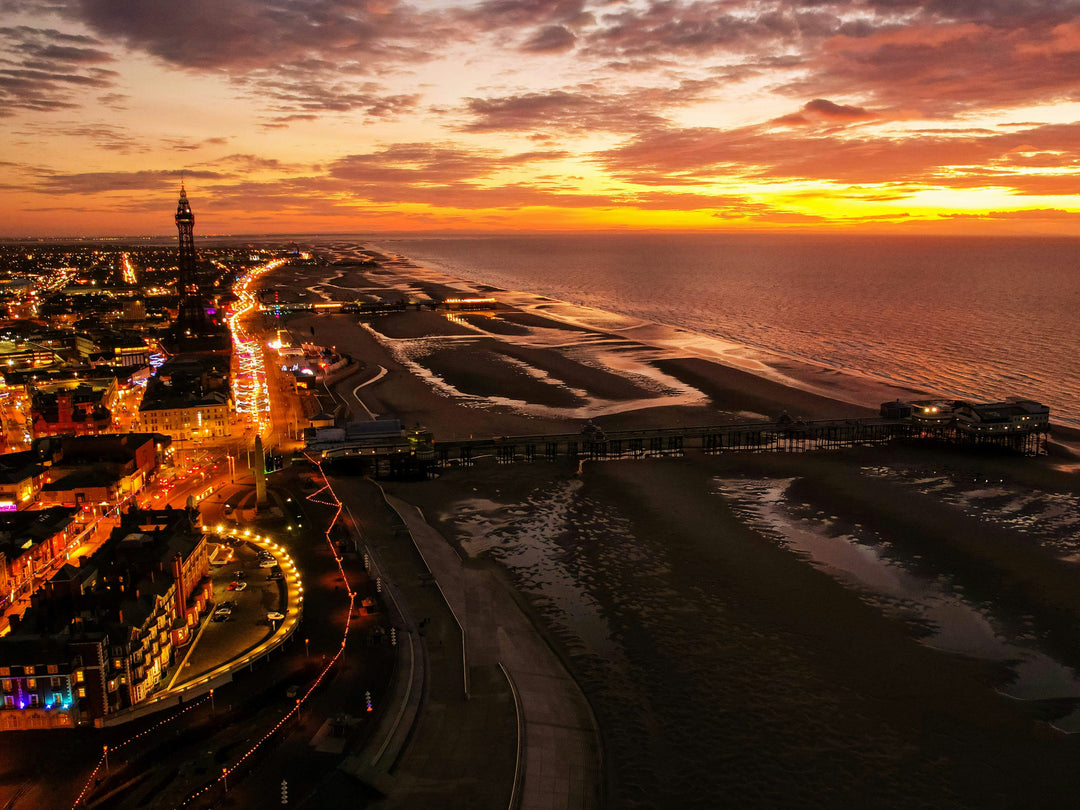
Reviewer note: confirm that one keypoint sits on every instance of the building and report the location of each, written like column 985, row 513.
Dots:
column 53, row 681
column 115, row 347
column 188, row 399
column 1021, row 415
column 104, row 636
column 932, row 413
column 73, row 407
column 95, row 473
column 33, row 545
column 21, row 477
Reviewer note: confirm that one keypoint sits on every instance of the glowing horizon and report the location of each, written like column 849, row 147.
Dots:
column 333, row 116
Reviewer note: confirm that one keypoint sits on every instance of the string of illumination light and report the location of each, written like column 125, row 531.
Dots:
column 295, row 710
column 250, row 392
column 294, row 619
column 128, row 741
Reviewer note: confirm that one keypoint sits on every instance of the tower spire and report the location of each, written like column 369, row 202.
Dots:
column 185, row 224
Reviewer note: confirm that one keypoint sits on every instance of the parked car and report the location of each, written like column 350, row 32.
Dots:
column 241, row 585
column 271, row 563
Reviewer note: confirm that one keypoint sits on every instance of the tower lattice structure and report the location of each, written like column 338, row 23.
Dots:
column 187, row 284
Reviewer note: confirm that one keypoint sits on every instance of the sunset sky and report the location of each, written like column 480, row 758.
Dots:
column 371, row 115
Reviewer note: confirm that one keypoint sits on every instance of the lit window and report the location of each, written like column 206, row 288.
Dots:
column 82, row 691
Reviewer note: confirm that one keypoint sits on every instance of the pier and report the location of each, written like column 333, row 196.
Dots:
column 397, row 454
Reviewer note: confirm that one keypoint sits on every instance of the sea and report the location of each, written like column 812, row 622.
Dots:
column 961, row 317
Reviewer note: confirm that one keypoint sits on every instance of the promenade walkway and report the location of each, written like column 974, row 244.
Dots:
column 520, row 697
column 561, row 753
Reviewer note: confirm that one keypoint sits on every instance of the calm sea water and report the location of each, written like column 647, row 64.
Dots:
column 981, row 318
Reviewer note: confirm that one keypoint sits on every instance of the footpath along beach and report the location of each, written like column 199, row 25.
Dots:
column 839, row 628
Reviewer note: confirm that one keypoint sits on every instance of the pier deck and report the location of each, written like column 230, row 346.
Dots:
column 597, row 445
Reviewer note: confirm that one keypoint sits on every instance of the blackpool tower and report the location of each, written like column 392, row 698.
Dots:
column 196, row 328
column 186, row 282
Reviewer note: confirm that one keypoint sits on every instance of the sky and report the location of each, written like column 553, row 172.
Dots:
column 304, row 116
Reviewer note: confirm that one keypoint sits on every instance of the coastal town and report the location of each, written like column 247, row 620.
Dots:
column 239, row 538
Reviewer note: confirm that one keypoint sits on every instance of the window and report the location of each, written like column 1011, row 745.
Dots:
column 79, row 676
column 6, row 685
column 57, row 684
column 52, row 669
column 82, row 691
column 9, row 701
column 31, row 683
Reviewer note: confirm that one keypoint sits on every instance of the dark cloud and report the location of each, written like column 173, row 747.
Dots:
column 428, row 165
column 184, row 145
column 299, row 94
column 552, row 39
column 586, row 109
column 50, row 182
column 934, row 59
column 497, row 14
column 245, row 35
column 939, row 69
column 245, row 164
column 696, row 156
column 45, row 70
column 114, row 101
column 108, row 137
column 665, row 28
column 823, row 111
column 301, row 57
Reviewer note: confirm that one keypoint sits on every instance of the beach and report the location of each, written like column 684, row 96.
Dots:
column 873, row 627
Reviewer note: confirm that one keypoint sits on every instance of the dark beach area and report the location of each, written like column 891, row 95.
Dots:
column 727, row 666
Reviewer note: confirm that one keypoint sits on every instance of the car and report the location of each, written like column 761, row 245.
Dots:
column 241, row 585
column 220, row 617
column 232, row 586
column 238, row 575
column 270, row 563
column 292, row 691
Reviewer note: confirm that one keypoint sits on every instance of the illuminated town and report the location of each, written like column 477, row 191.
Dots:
column 147, row 395
column 238, row 569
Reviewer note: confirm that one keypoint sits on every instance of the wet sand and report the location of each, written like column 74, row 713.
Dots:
column 726, row 671
column 724, row 668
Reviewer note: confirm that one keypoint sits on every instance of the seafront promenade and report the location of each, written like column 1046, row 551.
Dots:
column 502, row 723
